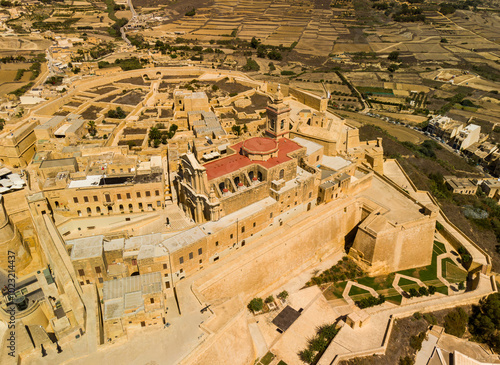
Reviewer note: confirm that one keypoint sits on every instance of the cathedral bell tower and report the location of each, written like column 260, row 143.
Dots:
column 278, row 117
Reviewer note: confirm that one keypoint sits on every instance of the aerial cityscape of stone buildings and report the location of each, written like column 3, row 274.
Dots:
column 108, row 211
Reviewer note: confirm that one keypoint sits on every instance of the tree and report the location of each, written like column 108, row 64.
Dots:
column 269, row 299
column 154, row 133
column 393, row 56
column 92, row 128
column 455, row 322
column 254, row 42
column 256, row 305
column 283, row 295
column 306, row 356
column 236, row 129
column 432, row 289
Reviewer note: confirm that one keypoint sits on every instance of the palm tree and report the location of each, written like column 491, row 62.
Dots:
column 92, row 128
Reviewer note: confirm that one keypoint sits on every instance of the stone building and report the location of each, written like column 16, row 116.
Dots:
column 17, row 144
column 105, row 186
column 253, row 170
column 133, row 303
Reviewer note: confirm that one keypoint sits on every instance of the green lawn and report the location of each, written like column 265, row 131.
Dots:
column 267, row 358
column 452, row 272
column 396, row 299
column 355, row 290
column 404, row 281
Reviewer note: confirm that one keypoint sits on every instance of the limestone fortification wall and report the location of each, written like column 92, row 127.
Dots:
column 311, row 100
column 11, row 241
column 294, row 245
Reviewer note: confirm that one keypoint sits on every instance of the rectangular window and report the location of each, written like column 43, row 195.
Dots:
column 181, row 271
column 167, row 284
column 75, row 200
column 270, row 215
column 87, row 281
column 310, row 195
column 101, row 280
column 157, row 192
column 108, row 198
column 216, row 243
column 201, row 261
column 164, row 266
column 81, row 272
column 200, row 251
column 181, row 260
column 128, row 195
column 97, row 269
column 148, row 193
column 138, row 194
column 158, row 203
column 152, row 300
column 134, row 261
column 190, row 255
column 243, row 229
column 143, row 324
column 95, row 198
column 86, row 199
column 231, row 236
column 254, row 224
column 118, row 196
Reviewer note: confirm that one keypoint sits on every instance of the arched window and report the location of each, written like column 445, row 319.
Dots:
column 98, row 209
column 121, row 207
column 236, row 180
column 309, row 206
column 79, row 212
column 259, row 176
column 140, row 205
column 250, row 175
column 282, row 124
column 282, row 174
column 130, row 208
column 89, row 211
column 309, row 121
column 57, row 204
column 221, row 186
column 110, row 209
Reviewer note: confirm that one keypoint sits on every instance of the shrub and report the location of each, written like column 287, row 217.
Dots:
column 283, row 295
column 430, row 318
column 269, row 299
column 416, row 341
column 256, row 305
column 191, row 12
column 407, row 360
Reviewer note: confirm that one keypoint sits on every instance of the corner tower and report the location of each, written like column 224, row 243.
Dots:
column 278, row 117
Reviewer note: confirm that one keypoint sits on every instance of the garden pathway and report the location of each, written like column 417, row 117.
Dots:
column 348, row 287
column 395, row 283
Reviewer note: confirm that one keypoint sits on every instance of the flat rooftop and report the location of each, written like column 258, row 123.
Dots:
column 309, row 145
column 335, row 162
column 401, row 209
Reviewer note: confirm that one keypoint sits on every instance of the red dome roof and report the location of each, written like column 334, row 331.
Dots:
column 260, row 145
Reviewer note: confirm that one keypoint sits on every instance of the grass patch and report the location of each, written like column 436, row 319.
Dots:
column 356, row 290
column 378, row 282
column 396, row 299
column 404, row 281
column 452, row 272
column 335, row 291
column 267, row 358
column 442, row 289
